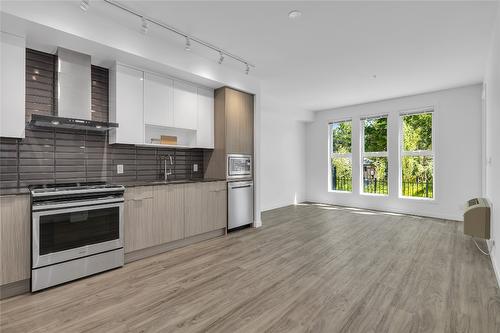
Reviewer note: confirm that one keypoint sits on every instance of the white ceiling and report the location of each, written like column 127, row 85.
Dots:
column 328, row 57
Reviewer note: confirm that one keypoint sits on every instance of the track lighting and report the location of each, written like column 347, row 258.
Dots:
column 144, row 25
column 146, row 22
column 84, row 5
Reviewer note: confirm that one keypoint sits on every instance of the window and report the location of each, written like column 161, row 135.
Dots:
column 340, row 156
column 417, row 155
column 374, row 166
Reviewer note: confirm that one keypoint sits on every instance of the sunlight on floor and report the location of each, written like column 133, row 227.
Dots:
column 355, row 210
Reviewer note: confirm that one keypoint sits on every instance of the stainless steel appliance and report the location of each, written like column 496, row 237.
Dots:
column 240, row 204
column 239, row 166
column 77, row 230
column 74, row 89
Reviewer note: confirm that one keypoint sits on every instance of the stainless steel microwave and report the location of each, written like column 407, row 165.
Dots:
column 239, row 166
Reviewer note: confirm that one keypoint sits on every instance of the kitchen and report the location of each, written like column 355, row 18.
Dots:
column 123, row 164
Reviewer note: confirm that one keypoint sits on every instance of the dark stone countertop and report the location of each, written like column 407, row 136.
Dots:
column 169, row 182
column 25, row 190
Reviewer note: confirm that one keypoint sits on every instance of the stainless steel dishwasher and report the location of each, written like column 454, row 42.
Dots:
column 240, row 204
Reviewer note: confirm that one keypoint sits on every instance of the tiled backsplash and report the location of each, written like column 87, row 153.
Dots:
column 61, row 156
column 47, row 156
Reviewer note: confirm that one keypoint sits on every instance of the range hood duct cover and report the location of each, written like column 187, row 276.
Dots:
column 74, row 94
column 73, row 84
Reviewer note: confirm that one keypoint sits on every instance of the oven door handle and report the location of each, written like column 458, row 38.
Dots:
column 72, row 204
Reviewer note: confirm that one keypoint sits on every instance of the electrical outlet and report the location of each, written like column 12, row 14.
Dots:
column 119, row 169
column 195, row 167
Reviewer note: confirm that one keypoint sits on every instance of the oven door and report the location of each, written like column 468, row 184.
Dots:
column 63, row 234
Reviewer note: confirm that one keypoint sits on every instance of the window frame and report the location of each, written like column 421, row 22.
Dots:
column 363, row 154
column 416, row 153
column 332, row 155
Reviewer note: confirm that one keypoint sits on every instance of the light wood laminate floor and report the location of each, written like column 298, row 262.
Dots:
column 314, row 268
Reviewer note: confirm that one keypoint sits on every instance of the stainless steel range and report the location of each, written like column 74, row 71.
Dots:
column 77, row 230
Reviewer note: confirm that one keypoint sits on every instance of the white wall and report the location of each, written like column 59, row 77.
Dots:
column 282, row 160
column 457, row 121
column 492, row 191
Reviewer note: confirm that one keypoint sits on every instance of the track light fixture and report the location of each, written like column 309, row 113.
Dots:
column 144, row 25
column 84, row 5
column 157, row 23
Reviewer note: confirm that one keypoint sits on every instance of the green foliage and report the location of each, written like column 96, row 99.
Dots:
column 417, row 132
column 379, row 164
column 341, row 144
column 417, row 171
column 341, row 137
column 417, row 135
column 375, row 134
column 342, row 167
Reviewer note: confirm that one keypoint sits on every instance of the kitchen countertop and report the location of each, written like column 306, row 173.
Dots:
column 169, row 182
column 25, row 190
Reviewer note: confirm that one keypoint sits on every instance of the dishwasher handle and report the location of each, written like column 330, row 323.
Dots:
column 243, row 184
column 233, row 188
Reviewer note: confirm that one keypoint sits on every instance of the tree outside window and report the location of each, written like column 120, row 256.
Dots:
column 417, row 155
column 374, row 156
column 340, row 156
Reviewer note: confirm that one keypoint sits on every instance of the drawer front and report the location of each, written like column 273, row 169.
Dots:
column 138, row 193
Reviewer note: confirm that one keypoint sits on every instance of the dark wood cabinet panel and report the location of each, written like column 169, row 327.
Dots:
column 239, row 122
column 234, row 117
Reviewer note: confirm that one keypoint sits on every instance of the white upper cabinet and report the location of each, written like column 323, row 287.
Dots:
column 185, row 106
column 12, row 86
column 205, row 131
column 127, row 105
column 158, row 100
column 147, row 106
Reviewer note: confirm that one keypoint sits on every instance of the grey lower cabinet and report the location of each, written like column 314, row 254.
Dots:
column 168, row 212
column 15, row 256
column 139, row 226
column 205, row 207
column 161, row 214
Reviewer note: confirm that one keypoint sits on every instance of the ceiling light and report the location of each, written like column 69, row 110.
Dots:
column 294, row 14
column 188, row 44
column 84, row 5
column 144, row 25
column 247, row 70
column 221, row 58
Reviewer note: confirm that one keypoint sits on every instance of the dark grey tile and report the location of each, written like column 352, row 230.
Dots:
column 36, row 168
column 70, row 168
column 8, row 169
column 36, row 161
column 35, row 155
column 35, row 176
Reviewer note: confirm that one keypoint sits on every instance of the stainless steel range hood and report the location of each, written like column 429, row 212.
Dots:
column 73, row 95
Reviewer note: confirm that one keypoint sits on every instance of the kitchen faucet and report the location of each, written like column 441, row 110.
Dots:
column 165, row 173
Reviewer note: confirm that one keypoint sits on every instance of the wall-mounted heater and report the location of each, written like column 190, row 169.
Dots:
column 477, row 220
